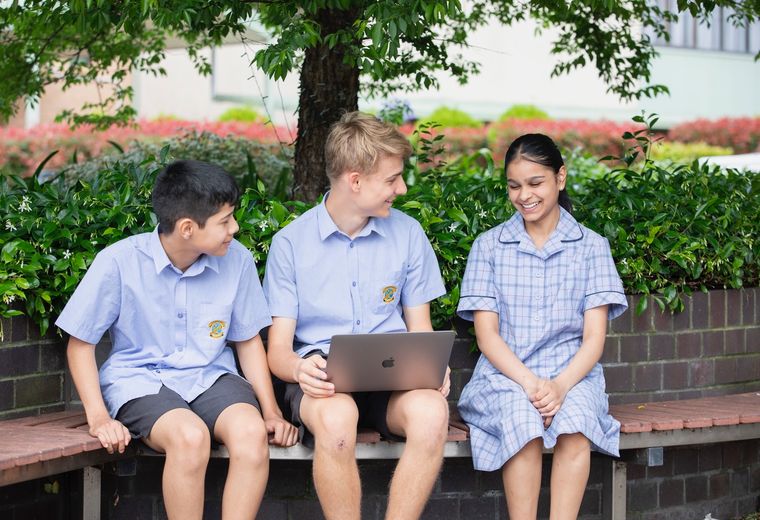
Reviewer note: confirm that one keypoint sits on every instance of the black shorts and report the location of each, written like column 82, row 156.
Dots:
column 139, row 415
column 372, row 406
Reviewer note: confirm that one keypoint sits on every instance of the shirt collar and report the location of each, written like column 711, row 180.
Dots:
column 568, row 230
column 161, row 259
column 327, row 225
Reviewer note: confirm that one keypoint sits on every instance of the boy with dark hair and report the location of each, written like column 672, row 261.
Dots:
column 171, row 299
column 353, row 264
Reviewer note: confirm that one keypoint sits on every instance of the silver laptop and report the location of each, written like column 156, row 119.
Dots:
column 389, row 361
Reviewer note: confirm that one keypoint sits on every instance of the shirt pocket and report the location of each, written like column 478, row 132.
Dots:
column 214, row 323
column 571, row 290
column 385, row 292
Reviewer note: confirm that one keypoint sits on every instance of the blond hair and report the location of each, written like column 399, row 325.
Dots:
column 357, row 141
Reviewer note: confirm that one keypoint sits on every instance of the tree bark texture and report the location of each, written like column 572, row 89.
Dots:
column 328, row 88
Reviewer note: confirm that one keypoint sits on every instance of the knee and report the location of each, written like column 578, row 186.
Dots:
column 427, row 418
column 573, row 447
column 191, row 443
column 249, row 444
column 335, row 424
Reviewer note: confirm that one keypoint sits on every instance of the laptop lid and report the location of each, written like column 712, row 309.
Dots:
column 389, row 361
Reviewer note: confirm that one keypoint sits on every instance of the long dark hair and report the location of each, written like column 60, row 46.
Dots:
column 539, row 149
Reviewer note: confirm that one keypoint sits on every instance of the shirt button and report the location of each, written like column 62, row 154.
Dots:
column 358, row 322
column 351, row 244
column 180, row 315
column 539, row 275
column 353, row 283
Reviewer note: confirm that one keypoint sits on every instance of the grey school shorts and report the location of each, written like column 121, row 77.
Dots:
column 139, row 415
column 372, row 406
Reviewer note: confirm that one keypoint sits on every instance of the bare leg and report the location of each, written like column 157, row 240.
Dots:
column 333, row 422
column 185, row 439
column 241, row 429
column 422, row 416
column 522, row 481
column 570, row 469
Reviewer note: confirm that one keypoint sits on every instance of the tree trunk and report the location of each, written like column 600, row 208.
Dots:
column 328, row 88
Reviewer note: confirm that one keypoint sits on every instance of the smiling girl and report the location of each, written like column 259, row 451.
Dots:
column 540, row 289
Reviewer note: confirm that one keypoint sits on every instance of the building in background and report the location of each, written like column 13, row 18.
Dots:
column 709, row 69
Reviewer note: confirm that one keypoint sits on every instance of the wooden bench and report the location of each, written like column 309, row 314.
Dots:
column 35, row 447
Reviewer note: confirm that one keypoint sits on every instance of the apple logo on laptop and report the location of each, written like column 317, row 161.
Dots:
column 388, row 363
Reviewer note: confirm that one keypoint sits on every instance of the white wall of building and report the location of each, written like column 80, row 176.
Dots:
column 515, row 68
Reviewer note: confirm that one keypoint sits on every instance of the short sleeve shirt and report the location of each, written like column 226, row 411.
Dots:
column 332, row 284
column 541, row 294
column 167, row 327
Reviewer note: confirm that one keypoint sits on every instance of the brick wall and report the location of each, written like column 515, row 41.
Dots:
column 711, row 348
column 31, row 370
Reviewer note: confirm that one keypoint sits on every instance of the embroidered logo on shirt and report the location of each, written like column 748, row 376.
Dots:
column 216, row 328
column 389, row 293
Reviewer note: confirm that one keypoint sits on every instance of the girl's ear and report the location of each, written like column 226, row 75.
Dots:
column 562, row 177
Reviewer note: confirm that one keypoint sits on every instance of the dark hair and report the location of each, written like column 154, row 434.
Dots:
column 191, row 189
column 539, row 149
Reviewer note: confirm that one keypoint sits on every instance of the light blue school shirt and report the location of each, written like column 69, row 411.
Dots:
column 167, row 327
column 331, row 284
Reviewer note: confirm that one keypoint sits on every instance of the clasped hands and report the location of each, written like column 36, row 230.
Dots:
column 547, row 395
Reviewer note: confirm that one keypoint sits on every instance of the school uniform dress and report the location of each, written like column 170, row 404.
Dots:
column 540, row 297
column 333, row 284
column 167, row 327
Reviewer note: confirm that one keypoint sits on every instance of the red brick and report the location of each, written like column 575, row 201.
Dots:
column 18, row 329
column 647, row 377
column 717, row 309
column 725, row 370
column 748, row 368
column 641, row 495
column 633, row 349
column 733, row 307
column 701, row 373
column 753, row 339
column 719, row 486
column 748, row 307
column 699, row 310
column 682, row 320
column 710, row 458
column 735, row 341
column 696, row 488
column 662, row 346
column 713, row 343
column 662, row 319
column 611, row 353
column 675, row 376
column 618, row 378
column 671, row 492
column 685, row 461
column 688, row 345
column 733, row 455
column 642, row 322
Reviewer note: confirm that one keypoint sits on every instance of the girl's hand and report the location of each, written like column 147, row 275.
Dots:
column 548, row 398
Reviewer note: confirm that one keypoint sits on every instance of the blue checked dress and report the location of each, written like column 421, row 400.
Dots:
column 540, row 296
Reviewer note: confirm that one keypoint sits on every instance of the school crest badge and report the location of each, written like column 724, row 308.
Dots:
column 216, row 328
column 389, row 293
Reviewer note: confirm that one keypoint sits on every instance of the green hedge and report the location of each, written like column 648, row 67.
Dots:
column 672, row 229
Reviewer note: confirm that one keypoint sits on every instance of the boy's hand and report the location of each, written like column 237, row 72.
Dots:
column 282, row 433
column 111, row 433
column 310, row 374
column 548, row 398
column 446, row 386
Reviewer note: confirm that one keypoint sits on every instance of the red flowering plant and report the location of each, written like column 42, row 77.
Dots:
column 740, row 133
column 21, row 151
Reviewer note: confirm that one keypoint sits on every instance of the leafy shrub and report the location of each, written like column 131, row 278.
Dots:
column 742, row 134
column 246, row 160
column 685, row 153
column 450, row 118
column 524, row 112
column 242, row 114
column 22, row 150
column 672, row 228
